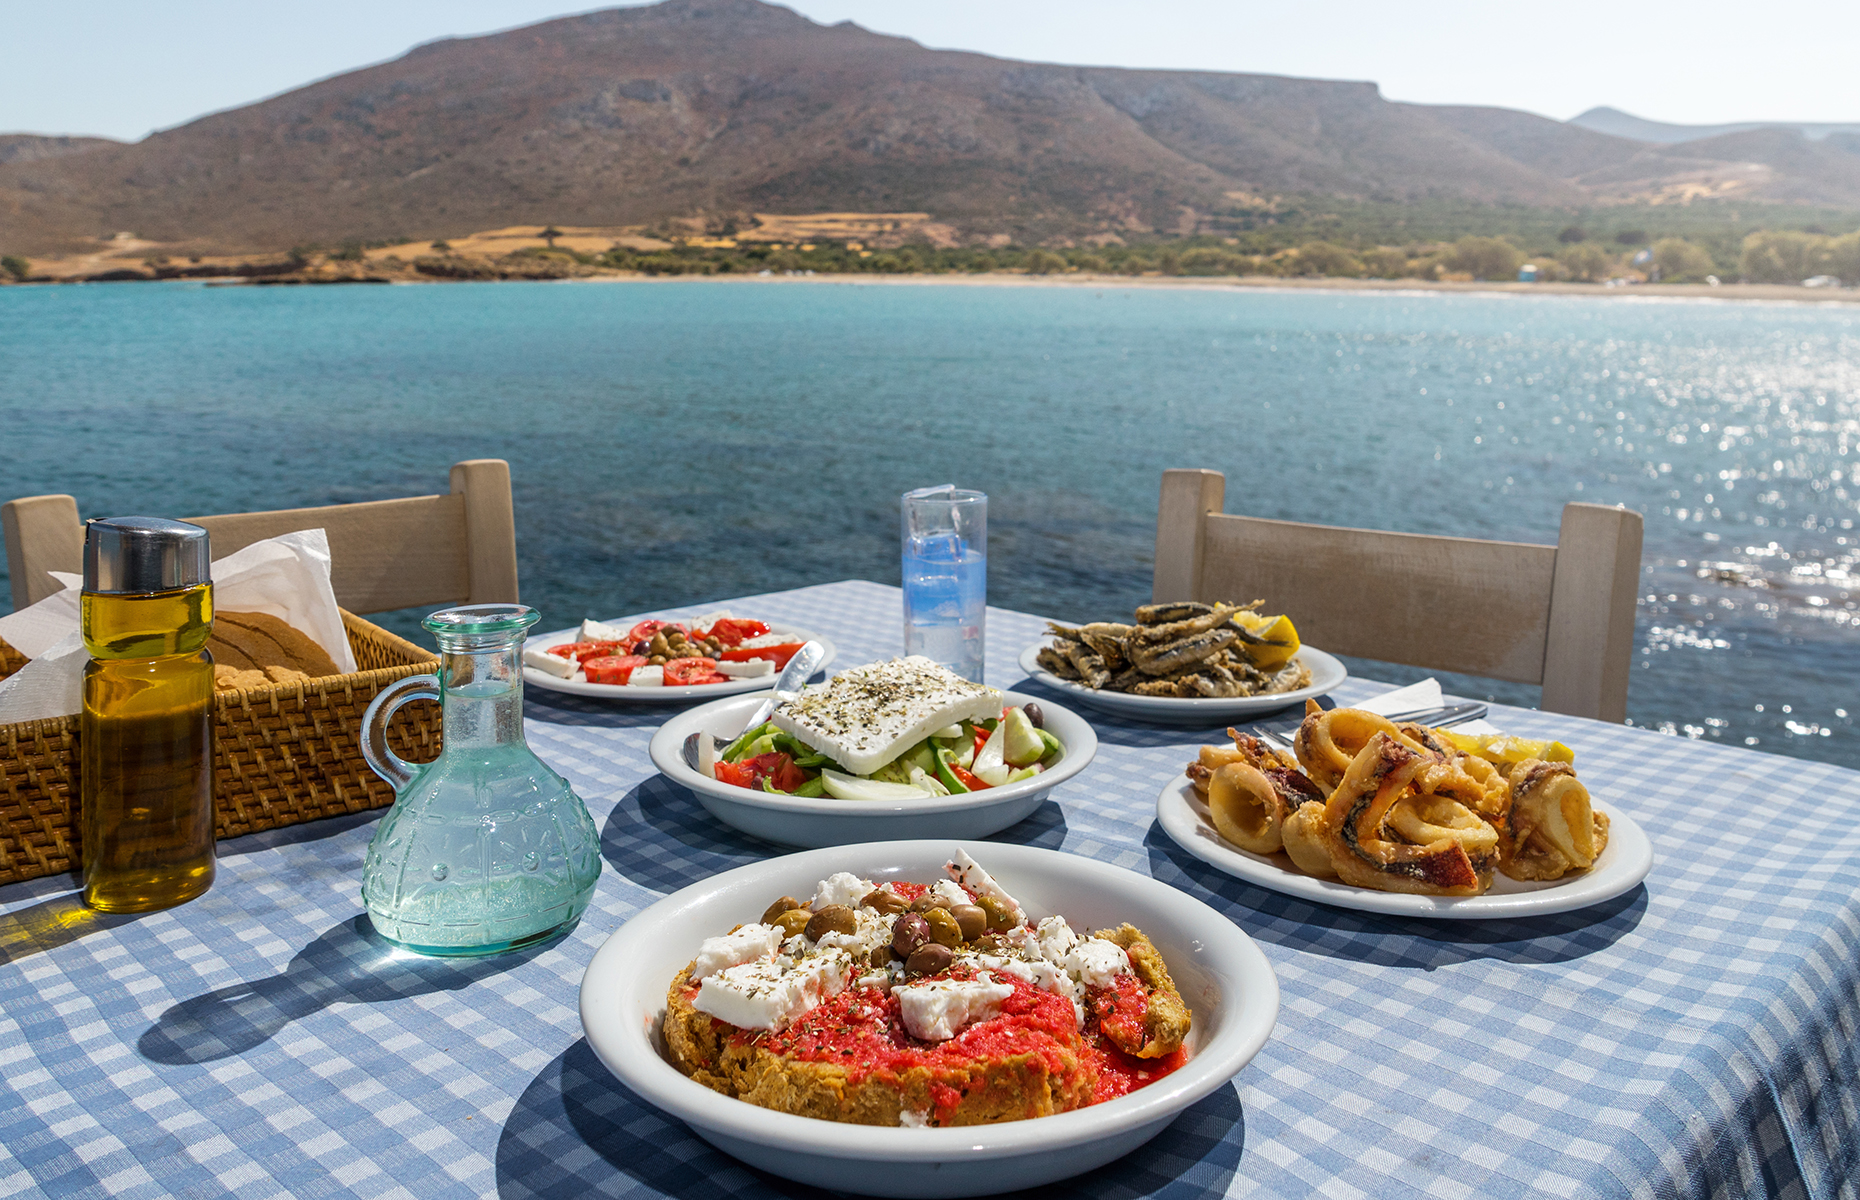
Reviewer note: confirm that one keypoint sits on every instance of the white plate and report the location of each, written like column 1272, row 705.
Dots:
column 1326, row 673
column 1623, row 864
column 659, row 695
column 1226, row 980
column 825, row 821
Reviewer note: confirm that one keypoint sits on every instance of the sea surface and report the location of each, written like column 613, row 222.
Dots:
column 673, row 442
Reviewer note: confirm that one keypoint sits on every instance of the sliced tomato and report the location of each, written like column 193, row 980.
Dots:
column 787, row 777
column 643, row 631
column 981, row 739
column 779, row 655
column 969, row 781
column 683, row 672
column 732, row 631
column 612, row 668
column 735, row 774
column 577, row 650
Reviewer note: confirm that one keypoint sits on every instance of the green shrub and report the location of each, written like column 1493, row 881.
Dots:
column 1588, row 262
column 1485, row 258
column 1380, row 262
column 1044, row 262
column 1327, row 258
column 1679, row 261
column 1787, row 256
column 16, row 266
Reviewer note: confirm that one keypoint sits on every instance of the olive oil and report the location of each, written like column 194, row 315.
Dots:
column 146, row 811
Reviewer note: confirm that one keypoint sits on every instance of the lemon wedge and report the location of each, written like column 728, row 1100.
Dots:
column 1274, row 629
column 1504, row 748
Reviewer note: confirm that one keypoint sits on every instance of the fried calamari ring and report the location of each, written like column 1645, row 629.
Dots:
column 1432, row 817
column 1328, row 742
column 1353, row 832
column 1497, row 799
column 1246, row 808
column 1553, row 827
column 1303, row 835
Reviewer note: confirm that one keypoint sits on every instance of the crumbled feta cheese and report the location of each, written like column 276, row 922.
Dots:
column 1055, row 939
column 867, row 716
column 594, row 631
column 949, row 893
column 755, row 668
column 1039, row 973
column 744, row 945
column 711, row 618
column 648, row 676
column 770, row 994
column 841, row 888
column 938, row 1009
column 558, row 665
column 909, row 1119
column 969, row 874
column 1095, row 962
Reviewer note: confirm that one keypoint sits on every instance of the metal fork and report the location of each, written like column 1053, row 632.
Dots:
column 1435, row 718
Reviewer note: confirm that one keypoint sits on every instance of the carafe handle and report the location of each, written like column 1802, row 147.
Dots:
column 383, row 761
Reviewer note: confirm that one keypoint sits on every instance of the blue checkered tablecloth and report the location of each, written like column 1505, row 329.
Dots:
column 1693, row 1038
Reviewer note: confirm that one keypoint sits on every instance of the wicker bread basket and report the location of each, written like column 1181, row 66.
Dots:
column 282, row 755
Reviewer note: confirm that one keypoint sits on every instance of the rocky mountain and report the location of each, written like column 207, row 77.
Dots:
column 1620, row 124
column 631, row 115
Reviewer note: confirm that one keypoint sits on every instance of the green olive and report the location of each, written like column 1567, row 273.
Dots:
column 885, row 900
column 928, row 901
column 834, row 918
column 791, row 922
column 785, row 904
column 999, row 918
column 944, row 930
column 972, row 920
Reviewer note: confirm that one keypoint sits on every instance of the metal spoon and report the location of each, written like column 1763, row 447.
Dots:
column 793, row 677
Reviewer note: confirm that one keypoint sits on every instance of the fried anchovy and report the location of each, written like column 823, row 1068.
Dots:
column 1109, row 640
column 1173, row 656
column 1161, row 614
column 1156, row 634
column 1092, row 672
column 1054, row 659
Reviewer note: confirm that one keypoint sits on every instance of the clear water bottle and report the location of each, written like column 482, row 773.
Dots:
column 486, row 849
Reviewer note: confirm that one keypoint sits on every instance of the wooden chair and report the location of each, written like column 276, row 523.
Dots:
column 1561, row 616
column 384, row 554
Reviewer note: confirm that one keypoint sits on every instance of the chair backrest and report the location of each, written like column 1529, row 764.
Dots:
column 384, row 554
column 1561, row 616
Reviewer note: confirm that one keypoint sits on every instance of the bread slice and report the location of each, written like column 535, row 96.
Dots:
column 267, row 641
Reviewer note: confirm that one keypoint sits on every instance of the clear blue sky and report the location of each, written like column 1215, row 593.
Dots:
column 121, row 68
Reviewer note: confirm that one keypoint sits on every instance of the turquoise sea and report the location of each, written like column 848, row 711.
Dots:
column 678, row 441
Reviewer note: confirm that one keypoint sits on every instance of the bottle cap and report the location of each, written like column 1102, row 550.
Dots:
column 137, row 555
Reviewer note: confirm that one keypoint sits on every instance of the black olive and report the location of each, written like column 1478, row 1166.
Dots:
column 1034, row 715
column 909, row 932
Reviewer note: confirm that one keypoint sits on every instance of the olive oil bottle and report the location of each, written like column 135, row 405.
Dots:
column 146, row 771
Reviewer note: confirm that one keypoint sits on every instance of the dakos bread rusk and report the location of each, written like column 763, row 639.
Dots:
column 257, row 650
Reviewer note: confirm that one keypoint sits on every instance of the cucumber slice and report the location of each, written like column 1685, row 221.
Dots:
column 851, row 787
column 1054, row 749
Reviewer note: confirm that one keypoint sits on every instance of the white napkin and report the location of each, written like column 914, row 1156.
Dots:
column 285, row 576
column 1425, row 694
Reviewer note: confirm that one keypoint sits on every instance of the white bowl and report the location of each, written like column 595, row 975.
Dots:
column 1228, row 984
column 1327, row 672
column 825, row 821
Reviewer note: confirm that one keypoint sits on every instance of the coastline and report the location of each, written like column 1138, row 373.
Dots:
column 1729, row 292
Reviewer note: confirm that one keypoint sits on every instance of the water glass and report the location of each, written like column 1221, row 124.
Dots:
column 946, row 577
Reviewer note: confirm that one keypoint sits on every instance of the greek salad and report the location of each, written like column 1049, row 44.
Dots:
column 965, row 756
column 718, row 647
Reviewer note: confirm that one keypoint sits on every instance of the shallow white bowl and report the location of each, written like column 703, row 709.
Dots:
column 656, row 695
column 801, row 821
column 1226, row 980
column 1327, row 672
column 1624, row 862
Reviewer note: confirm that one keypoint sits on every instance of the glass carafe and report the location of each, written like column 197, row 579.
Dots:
column 486, row 849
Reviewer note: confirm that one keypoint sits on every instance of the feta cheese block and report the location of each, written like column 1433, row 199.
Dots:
column 646, row 677
column 939, row 1009
column 1095, row 962
column 969, row 874
column 770, row 993
column 557, row 665
column 755, row 668
column 594, row 631
column 733, row 949
column 865, row 717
